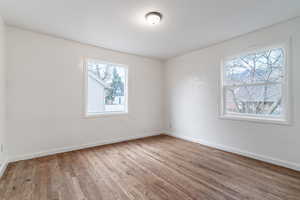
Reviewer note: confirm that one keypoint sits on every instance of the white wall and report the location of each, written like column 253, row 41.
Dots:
column 46, row 97
column 2, row 89
column 192, row 98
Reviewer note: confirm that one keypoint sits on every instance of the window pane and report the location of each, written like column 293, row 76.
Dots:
column 262, row 100
column 258, row 67
column 106, row 87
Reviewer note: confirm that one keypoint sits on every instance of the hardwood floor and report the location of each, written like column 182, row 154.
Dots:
column 153, row 168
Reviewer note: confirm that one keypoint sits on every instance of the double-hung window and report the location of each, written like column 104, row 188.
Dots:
column 254, row 86
column 106, row 88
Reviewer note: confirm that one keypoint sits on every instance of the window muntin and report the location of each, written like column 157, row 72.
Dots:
column 106, row 88
column 254, row 85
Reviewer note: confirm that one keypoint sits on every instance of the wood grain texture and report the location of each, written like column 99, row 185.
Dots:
column 154, row 168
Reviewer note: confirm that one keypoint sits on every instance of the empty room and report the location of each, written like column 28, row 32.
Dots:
column 149, row 100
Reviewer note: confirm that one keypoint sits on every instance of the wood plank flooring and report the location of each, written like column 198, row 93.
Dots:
column 155, row 168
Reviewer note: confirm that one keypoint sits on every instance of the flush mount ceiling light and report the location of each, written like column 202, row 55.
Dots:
column 153, row 18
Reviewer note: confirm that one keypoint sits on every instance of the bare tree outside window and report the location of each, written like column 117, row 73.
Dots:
column 253, row 83
column 107, row 89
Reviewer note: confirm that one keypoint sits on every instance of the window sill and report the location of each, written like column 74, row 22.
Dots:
column 255, row 119
column 104, row 115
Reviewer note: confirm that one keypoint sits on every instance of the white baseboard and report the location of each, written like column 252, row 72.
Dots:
column 3, row 167
column 73, row 148
column 267, row 159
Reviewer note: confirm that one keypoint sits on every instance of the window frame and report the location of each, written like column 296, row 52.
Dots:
column 285, row 87
column 105, row 114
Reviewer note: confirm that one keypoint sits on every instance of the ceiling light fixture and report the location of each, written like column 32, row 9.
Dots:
column 153, row 18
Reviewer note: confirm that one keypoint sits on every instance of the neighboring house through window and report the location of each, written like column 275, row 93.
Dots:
column 106, row 88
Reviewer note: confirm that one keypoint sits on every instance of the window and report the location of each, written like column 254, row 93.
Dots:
column 106, row 88
column 254, row 86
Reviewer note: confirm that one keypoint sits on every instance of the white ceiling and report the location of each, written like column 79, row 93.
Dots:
column 120, row 24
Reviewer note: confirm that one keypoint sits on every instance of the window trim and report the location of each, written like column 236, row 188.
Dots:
column 85, row 78
column 286, row 88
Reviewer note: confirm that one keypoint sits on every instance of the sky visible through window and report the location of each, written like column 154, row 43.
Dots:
column 106, row 87
column 253, row 83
